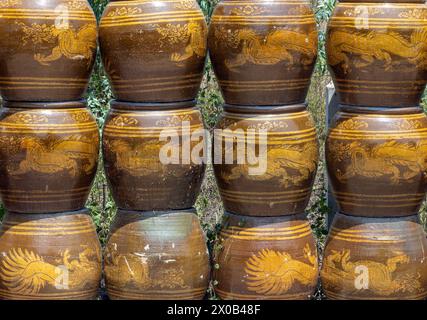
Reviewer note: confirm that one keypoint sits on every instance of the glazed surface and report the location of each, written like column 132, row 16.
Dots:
column 132, row 149
column 49, row 257
column 371, row 258
column 154, row 51
column 49, row 156
column 377, row 163
column 263, row 52
column 157, row 256
column 265, row 258
column 47, row 49
column 284, row 187
column 377, row 53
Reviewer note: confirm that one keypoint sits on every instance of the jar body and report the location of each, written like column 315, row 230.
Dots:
column 154, row 51
column 377, row 53
column 375, row 258
column 49, row 155
column 156, row 256
column 263, row 53
column 266, row 258
column 275, row 155
column 377, row 162
column 146, row 159
column 49, row 257
column 48, row 49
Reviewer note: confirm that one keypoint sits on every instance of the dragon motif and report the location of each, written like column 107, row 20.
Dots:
column 57, row 155
column 399, row 161
column 273, row 273
column 134, row 269
column 25, row 272
column 301, row 159
column 340, row 272
column 71, row 44
column 276, row 47
column 377, row 46
column 193, row 33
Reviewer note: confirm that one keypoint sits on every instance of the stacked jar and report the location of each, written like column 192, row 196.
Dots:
column 265, row 148
column 376, row 151
column 49, row 145
column 154, row 53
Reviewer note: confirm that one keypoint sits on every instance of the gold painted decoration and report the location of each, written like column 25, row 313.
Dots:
column 375, row 258
column 49, row 48
column 34, row 265
column 378, row 54
column 377, row 161
column 145, row 156
column 50, row 156
column 273, row 272
column 265, row 258
column 275, row 179
column 263, row 53
column 154, row 51
column 157, row 256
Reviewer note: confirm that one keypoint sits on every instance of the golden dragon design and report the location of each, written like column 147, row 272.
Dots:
column 301, row 160
column 398, row 161
column 340, row 272
column 55, row 156
column 193, row 33
column 377, row 46
column 273, row 273
column 278, row 46
column 25, row 272
column 71, row 44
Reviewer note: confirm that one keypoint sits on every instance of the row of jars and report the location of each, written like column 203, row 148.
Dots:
column 263, row 53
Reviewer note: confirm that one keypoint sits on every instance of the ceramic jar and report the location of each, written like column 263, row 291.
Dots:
column 49, row 257
column 375, row 258
column 377, row 53
column 154, row 51
column 147, row 155
column 265, row 258
column 377, row 161
column 269, row 159
column 47, row 49
column 157, row 256
column 48, row 156
column 263, row 53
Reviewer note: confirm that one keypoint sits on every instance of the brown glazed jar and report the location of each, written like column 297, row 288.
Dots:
column 154, row 51
column 263, row 52
column 156, row 256
column 47, row 49
column 375, row 258
column 377, row 161
column 146, row 156
column 49, row 257
column 377, row 53
column 48, row 156
column 271, row 173
column 265, row 258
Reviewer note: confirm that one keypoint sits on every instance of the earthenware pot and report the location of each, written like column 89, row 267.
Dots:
column 48, row 156
column 147, row 155
column 156, row 256
column 154, row 51
column 47, row 49
column 265, row 258
column 377, row 53
column 377, row 161
column 375, row 258
column 263, row 53
column 269, row 159
column 49, row 256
